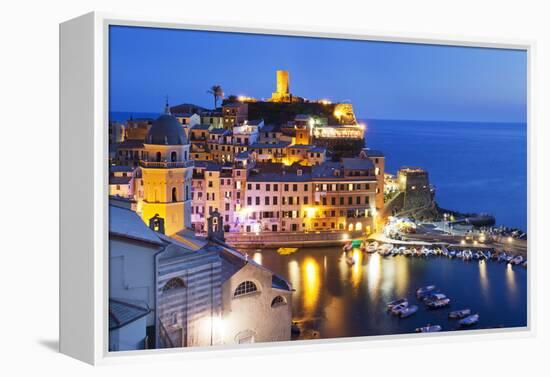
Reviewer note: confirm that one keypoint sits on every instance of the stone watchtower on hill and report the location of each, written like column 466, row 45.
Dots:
column 283, row 89
column 418, row 193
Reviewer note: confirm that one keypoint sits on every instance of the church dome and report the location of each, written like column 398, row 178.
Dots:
column 166, row 130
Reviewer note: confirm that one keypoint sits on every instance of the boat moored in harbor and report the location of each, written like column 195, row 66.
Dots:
column 408, row 311
column 393, row 303
column 469, row 320
column 459, row 314
column 438, row 304
column 423, row 291
column 429, row 328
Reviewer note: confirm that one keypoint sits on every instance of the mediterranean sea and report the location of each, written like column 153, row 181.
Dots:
column 475, row 167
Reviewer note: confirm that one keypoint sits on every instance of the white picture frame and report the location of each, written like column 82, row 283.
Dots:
column 84, row 199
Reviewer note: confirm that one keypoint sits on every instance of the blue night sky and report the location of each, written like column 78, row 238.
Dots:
column 382, row 80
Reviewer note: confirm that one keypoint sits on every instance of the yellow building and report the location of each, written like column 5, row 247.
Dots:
column 167, row 173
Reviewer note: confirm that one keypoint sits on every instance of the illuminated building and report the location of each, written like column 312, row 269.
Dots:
column 166, row 174
column 234, row 113
column 331, row 196
column 188, row 119
column 188, row 291
column 379, row 161
column 121, row 181
column 213, row 118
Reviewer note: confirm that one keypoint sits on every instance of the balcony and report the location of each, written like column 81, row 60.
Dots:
column 165, row 164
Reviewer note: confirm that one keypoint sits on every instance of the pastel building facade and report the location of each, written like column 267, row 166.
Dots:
column 255, row 197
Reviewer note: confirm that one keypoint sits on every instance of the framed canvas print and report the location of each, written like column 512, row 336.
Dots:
column 229, row 187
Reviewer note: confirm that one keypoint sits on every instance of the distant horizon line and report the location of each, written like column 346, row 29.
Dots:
column 387, row 119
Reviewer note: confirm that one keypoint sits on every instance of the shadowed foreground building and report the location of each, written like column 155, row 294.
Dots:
column 180, row 292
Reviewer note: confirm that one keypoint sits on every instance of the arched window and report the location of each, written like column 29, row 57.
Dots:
column 278, row 301
column 174, row 283
column 174, row 156
column 358, row 226
column 245, row 287
column 158, row 156
column 174, row 194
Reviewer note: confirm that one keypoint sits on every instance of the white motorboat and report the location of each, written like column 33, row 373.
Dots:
column 393, row 303
column 423, row 291
column 518, row 259
column 372, row 247
column 438, row 304
column 397, row 309
column 428, row 328
column 408, row 311
column 469, row 320
column 434, row 297
column 459, row 314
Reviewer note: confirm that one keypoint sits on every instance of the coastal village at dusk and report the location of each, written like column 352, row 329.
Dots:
column 198, row 195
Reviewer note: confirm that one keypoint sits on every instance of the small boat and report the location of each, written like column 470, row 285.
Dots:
column 397, row 309
column 518, row 259
column 407, row 252
column 423, row 291
column 467, row 255
column 459, row 314
column 347, row 247
column 438, row 304
column 469, row 320
column 509, row 258
column 428, row 328
column 459, row 254
column 502, row 257
column 433, row 297
column 475, row 255
column 444, row 251
column 408, row 311
column 452, row 254
column 393, row 303
column 372, row 247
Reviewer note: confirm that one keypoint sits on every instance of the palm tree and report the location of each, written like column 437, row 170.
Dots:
column 217, row 92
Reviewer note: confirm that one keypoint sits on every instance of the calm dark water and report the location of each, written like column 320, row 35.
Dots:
column 476, row 167
column 334, row 299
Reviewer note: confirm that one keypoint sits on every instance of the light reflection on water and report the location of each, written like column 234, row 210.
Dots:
column 335, row 298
